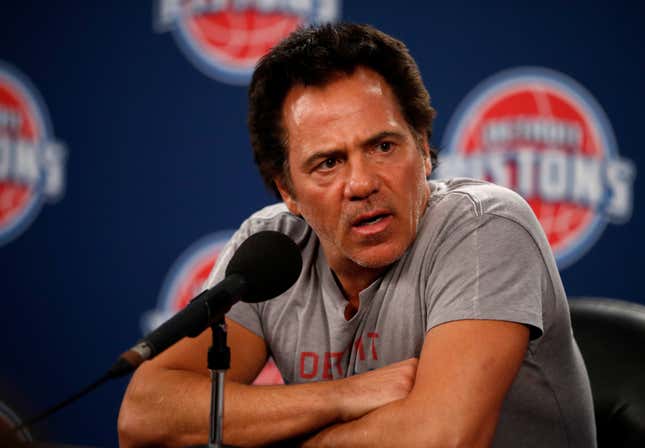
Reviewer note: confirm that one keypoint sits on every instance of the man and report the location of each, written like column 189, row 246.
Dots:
column 426, row 313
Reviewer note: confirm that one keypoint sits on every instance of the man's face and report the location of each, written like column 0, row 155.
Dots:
column 357, row 174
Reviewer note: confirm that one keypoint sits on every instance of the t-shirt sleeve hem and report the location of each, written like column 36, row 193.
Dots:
column 250, row 324
column 533, row 321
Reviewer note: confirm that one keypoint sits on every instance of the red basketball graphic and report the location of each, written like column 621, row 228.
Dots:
column 186, row 280
column 225, row 39
column 191, row 285
column 31, row 162
column 541, row 134
column 15, row 195
column 240, row 38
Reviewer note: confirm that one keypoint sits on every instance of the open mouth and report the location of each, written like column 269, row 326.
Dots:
column 370, row 220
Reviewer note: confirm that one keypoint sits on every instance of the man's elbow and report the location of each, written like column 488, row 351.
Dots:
column 456, row 440
column 133, row 426
column 453, row 436
column 447, row 439
column 130, row 426
column 126, row 427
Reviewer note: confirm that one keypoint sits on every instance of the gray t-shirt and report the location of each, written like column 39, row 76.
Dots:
column 480, row 253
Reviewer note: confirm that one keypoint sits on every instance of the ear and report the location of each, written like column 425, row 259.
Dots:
column 287, row 197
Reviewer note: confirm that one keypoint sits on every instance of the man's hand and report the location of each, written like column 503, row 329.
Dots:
column 363, row 393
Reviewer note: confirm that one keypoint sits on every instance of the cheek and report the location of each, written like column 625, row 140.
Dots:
column 325, row 218
column 315, row 214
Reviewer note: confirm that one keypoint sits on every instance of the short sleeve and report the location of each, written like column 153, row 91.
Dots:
column 248, row 316
column 489, row 268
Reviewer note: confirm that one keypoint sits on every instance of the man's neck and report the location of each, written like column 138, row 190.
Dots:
column 352, row 281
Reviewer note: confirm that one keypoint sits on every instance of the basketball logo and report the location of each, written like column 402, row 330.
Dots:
column 31, row 161
column 186, row 278
column 225, row 38
column 543, row 135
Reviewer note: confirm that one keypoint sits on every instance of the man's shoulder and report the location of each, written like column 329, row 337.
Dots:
column 458, row 206
column 463, row 198
column 273, row 217
column 278, row 218
column 271, row 213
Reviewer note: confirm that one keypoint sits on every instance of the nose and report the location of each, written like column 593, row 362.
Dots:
column 362, row 179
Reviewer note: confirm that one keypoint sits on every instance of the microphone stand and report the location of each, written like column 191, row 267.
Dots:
column 219, row 361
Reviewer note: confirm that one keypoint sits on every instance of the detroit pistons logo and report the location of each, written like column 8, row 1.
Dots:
column 186, row 278
column 543, row 135
column 31, row 160
column 225, row 38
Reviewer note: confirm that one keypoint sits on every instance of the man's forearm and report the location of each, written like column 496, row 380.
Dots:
column 172, row 408
column 169, row 408
column 264, row 414
column 406, row 422
column 381, row 427
column 166, row 407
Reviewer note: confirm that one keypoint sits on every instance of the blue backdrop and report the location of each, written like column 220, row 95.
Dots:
column 158, row 156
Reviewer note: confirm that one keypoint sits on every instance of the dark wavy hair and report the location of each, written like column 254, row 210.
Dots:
column 315, row 56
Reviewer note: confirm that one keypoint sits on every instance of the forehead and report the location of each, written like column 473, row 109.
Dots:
column 345, row 107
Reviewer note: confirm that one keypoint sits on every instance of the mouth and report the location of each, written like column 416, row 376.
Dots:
column 363, row 221
column 372, row 223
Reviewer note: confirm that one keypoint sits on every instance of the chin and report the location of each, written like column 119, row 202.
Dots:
column 378, row 258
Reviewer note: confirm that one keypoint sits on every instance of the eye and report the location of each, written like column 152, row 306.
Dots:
column 385, row 146
column 328, row 163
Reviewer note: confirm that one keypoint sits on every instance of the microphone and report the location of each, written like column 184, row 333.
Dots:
column 264, row 266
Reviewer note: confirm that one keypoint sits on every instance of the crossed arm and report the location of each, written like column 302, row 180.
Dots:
column 450, row 397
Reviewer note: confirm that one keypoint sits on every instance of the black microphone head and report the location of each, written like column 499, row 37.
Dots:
column 269, row 262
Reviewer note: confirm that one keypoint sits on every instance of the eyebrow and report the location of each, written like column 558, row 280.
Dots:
column 321, row 155
column 337, row 152
column 382, row 136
